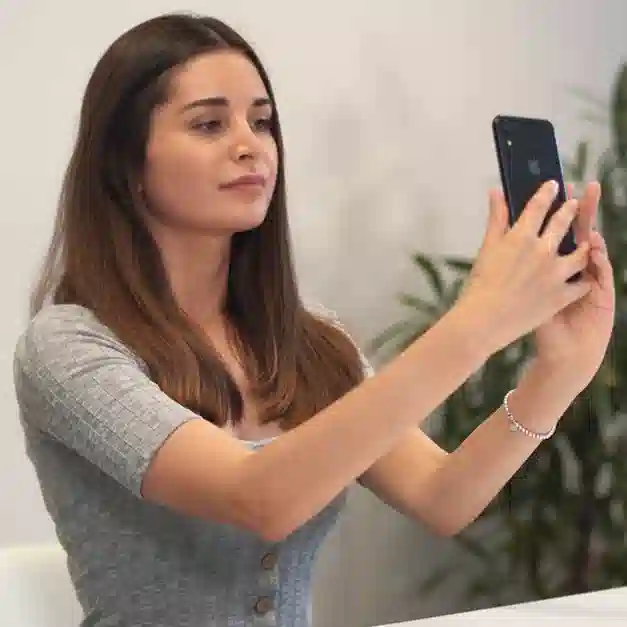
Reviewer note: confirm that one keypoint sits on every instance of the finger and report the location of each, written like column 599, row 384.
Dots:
column 597, row 242
column 600, row 266
column 535, row 212
column 604, row 271
column 588, row 207
column 498, row 223
column 572, row 292
column 559, row 224
column 572, row 263
column 592, row 270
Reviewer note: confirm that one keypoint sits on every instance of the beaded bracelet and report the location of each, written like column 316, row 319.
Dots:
column 516, row 426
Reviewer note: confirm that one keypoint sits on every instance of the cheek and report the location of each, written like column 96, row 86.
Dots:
column 273, row 162
column 189, row 162
column 180, row 173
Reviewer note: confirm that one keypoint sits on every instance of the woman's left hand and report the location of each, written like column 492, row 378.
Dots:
column 574, row 342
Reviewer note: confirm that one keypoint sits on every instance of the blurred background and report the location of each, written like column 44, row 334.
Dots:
column 386, row 109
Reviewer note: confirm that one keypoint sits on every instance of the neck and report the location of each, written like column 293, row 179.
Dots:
column 198, row 271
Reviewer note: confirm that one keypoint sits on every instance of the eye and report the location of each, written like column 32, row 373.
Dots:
column 210, row 126
column 263, row 124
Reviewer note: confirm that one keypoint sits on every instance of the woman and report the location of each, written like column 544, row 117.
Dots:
column 193, row 425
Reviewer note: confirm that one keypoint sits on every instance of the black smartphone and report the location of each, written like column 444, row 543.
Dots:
column 528, row 156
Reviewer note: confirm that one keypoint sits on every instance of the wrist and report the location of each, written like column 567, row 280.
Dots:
column 541, row 398
column 517, row 426
column 556, row 376
column 472, row 330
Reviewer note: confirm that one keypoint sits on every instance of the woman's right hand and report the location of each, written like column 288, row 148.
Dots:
column 519, row 280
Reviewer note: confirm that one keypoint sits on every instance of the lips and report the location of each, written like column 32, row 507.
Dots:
column 248, row 180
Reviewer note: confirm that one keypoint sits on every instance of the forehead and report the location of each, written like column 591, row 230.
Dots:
column 225, row 73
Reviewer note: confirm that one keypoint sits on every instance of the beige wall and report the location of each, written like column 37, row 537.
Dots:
column 386, row 108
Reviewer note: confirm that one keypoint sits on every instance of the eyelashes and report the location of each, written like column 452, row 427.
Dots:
column 212, row 127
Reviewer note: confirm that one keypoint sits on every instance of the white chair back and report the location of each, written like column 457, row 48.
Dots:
column 35, row 588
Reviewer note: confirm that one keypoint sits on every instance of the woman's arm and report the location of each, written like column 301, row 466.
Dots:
column 202, row 471
column 448, row 491
column 517, row 283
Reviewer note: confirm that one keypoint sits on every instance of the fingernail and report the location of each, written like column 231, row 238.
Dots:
column 550, row 187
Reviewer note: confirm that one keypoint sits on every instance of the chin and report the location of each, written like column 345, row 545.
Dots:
column 249, row 217
column 246, row 227
column 242, row 221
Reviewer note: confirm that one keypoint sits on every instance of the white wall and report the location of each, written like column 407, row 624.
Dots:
column 386, row 110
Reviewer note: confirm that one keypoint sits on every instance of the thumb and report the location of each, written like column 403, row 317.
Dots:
column 498, row 221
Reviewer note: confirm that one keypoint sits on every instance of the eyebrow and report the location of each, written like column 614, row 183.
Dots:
column 221, row 102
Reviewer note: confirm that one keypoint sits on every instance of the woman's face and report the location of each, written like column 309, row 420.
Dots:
column 214, row 130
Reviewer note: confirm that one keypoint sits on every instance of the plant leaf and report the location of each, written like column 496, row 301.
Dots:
column 474, row 547
column 437, row 579
column 431, row 271
column 389, row 334
column 597, row 103
column 420, row 305
column 459, row 263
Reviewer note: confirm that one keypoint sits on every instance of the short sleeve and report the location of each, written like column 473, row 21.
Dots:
column 76, row 382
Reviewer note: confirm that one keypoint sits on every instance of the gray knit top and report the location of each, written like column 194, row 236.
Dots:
column 92, row 421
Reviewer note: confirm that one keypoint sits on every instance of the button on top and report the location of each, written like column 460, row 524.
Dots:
column 264, row 605
column 269, row 561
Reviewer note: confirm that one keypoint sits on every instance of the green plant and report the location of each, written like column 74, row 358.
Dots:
column 561, row 521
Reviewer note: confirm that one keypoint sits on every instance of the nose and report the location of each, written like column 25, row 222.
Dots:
column 245, row 144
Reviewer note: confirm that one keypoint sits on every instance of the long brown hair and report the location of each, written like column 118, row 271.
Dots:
column 102, row 257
